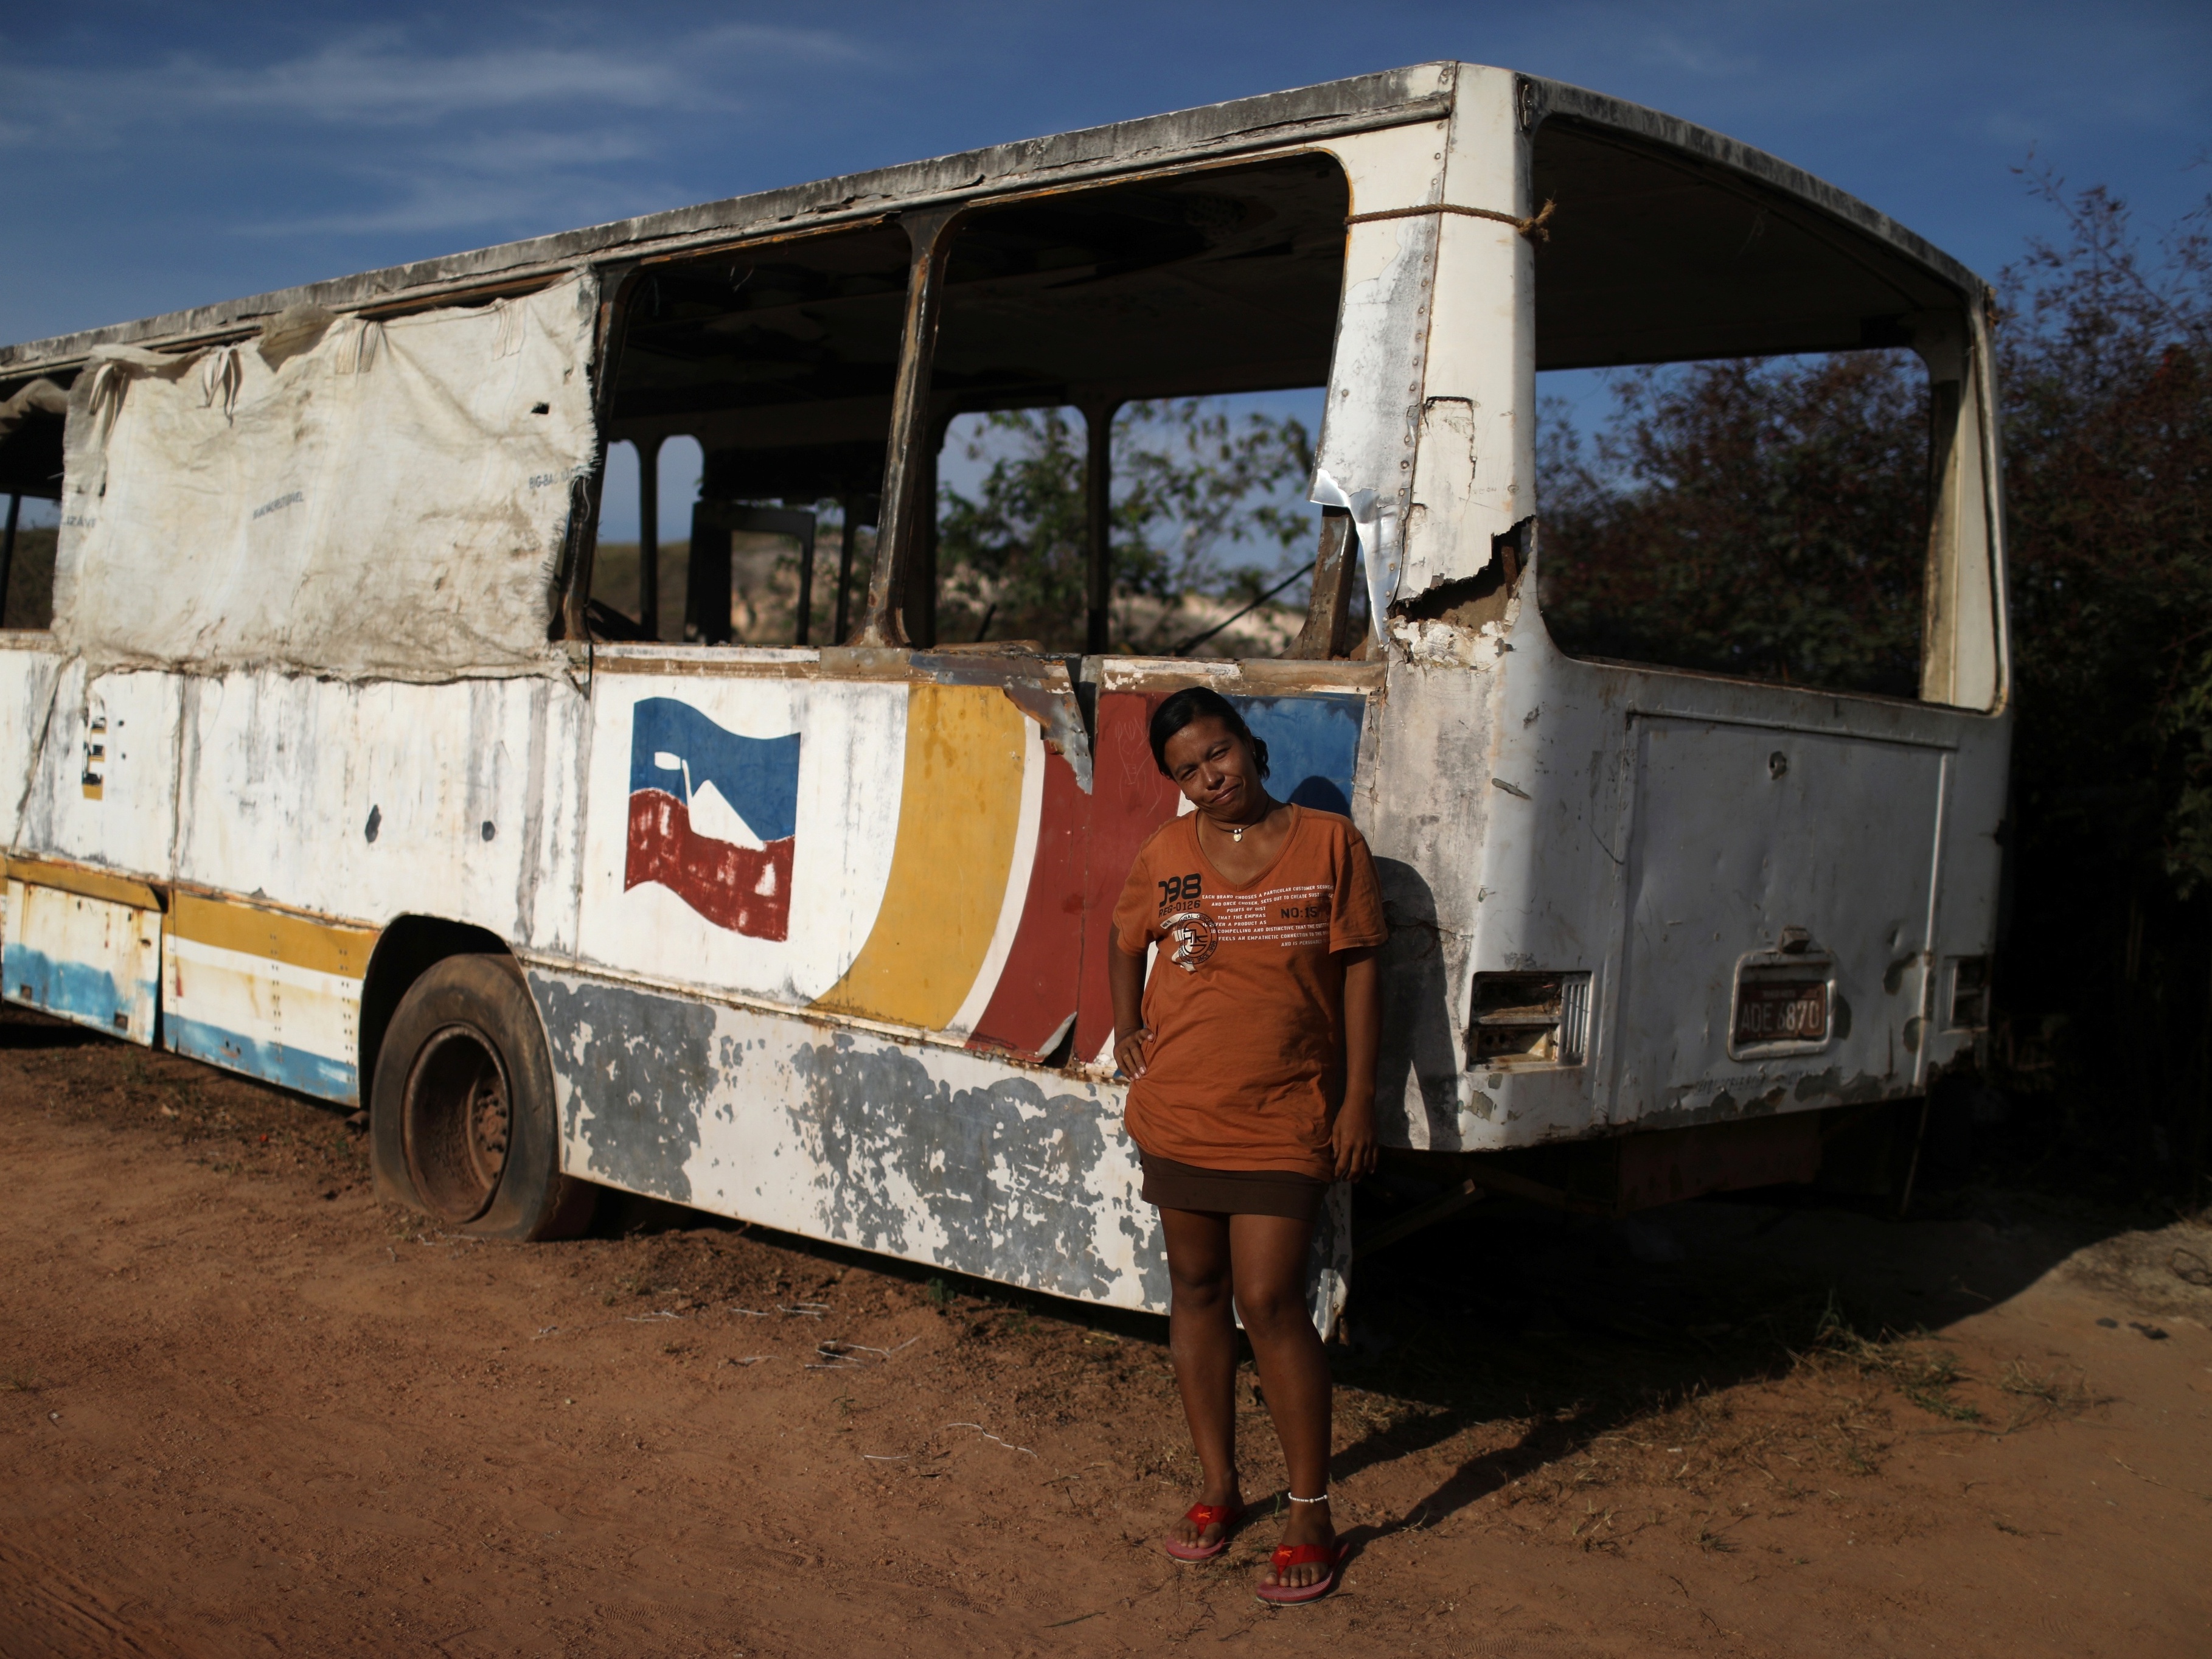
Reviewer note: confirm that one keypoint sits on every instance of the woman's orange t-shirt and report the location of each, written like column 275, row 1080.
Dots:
column 1245, row 1001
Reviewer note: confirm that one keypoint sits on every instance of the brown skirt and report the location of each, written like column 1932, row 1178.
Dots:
column 1175, row 1186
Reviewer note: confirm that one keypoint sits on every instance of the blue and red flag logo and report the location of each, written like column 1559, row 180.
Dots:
column 688, row 779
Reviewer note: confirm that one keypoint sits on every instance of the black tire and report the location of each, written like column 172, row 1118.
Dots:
column 461, row 1115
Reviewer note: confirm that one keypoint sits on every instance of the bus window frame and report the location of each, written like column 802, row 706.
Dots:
column 905, row 541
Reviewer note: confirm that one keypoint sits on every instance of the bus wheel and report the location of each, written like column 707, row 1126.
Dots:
column 461, row 1113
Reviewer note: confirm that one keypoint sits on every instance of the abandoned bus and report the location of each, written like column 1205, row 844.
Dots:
column 336, row 766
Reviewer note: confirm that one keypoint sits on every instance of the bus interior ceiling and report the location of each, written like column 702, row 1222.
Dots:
column 781, row 359
column 1200, row 283
column 1655, row 256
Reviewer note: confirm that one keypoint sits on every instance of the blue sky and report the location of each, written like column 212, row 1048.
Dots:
column 155, row 155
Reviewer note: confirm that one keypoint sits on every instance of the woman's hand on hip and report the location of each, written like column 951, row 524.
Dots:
column 1353, row 1140
column 1129, row 1052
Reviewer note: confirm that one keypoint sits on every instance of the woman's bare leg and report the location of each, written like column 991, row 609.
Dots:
column 1269, row 1252
column 1202, row 1340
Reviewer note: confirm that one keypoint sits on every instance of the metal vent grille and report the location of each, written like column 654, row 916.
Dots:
column 1524, row 1020
column 1574, row 1018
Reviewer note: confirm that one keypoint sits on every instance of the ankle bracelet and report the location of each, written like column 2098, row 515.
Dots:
column 1323, row 1499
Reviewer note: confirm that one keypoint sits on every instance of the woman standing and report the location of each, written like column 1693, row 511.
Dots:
column 1251, row 1054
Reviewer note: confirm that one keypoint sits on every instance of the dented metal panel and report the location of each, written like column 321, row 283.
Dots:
column 1635, row 825
column 927, row 1153
column 1750, row 840
column 368, row 800
column 103, row 788
column 265, row 992
column 95, row 961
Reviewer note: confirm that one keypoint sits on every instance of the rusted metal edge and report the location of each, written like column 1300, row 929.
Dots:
column 560, row 655
column 153, row 893
column 84, row 881
column 743, row 240
column 1360, row 103
column 1248, row 675
column 828, row 1020
column 704, row 661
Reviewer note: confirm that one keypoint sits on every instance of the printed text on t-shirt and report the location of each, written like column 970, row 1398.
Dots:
column 1284, row 917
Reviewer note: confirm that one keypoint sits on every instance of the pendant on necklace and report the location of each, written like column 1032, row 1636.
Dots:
column 1237, row 833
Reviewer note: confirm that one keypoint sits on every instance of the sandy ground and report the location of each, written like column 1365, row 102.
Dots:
column 245, row 1409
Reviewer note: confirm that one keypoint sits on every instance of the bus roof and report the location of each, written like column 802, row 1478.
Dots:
column 1243, row 126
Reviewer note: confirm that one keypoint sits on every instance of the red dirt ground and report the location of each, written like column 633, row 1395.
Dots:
column 245, row 1409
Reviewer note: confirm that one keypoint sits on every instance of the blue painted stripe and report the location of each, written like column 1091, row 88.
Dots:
column 1313, row 746
column 290, row 1068
column 75, row 990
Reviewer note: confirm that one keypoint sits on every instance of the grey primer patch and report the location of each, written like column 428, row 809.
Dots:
column 375, row 823
column 646, row 1064
column 874, row 1111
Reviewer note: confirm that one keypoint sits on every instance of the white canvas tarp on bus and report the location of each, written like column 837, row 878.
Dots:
column 362, row 498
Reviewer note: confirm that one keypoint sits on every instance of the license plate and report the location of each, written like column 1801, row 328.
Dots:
column 1781, row 1010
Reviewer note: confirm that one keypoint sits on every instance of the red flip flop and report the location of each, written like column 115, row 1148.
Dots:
column 1287, row 1556
column 1203, row 1515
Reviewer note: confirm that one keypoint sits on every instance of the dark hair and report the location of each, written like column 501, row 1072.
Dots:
column 1197, row 704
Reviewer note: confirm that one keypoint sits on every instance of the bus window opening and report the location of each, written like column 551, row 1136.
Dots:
column 779, row 359
column 1772, row 472
column 1124, row 399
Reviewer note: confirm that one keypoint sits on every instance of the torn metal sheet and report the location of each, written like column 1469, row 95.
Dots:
column 1374, row 521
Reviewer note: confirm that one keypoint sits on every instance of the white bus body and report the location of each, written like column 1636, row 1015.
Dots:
column 813, row 935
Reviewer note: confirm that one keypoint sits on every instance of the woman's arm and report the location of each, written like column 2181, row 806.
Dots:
column 1125, row 974
column 1354, row 1137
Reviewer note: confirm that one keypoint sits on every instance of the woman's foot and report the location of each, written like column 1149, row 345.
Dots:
column 1307, row 1524
column 1203, row 1530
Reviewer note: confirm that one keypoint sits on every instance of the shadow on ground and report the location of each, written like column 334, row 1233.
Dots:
column 1576, row 1326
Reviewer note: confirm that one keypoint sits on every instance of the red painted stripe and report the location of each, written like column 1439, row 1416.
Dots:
column 744, row 888
column 1129, row 800
column 1037, row 990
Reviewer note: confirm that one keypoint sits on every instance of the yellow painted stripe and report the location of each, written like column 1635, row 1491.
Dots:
column 326, row 947
column 960, row 810
column 86, row 884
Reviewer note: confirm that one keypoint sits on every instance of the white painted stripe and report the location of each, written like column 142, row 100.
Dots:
column 268, row 968
column 263, row 1002
column 1019, row 870
column 301, row 1020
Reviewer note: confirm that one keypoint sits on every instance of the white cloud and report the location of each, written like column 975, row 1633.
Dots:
column 386, row 78
column 1700, row 59
column 550, row 127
